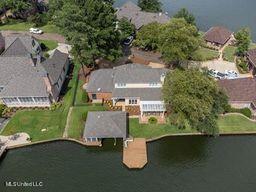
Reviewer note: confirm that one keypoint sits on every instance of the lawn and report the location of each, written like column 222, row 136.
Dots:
column 229, row 53
column 235, row 123
column 81, row 95
column 77, row 119
column 32, row 122
column 153, row 130
column 227, row 124
column 205, row 54
column 24, row 26
column 50, row 44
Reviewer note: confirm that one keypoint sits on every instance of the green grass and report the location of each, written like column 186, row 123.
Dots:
column 81, row 95
column 204, row 54
column 50, row 44
column 153, row 130
column 229, row 53
column 235, row 123
column 77, row 122
column 32, row 122
column 24, row 26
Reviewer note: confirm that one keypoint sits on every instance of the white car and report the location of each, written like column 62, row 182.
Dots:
column 35, row 31
column 231, row 74
column 129, row 40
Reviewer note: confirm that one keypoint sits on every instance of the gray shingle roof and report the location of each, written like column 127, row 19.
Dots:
column 19, row 46
column 251, row 55
column 106, row 124
column 20, row 78
column 55, row 65
column 145, row 94
column 140, row 18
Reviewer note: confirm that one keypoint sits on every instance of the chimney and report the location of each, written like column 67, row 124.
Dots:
column 162, row 77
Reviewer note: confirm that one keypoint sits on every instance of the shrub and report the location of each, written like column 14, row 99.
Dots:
column 55, row 106
column 2, row 108
column 242, row 65
column 43, row 47
column 245, row 111
column 152, row 120
column 46, row 55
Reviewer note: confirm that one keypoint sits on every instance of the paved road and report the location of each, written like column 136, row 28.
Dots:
column 44, row 36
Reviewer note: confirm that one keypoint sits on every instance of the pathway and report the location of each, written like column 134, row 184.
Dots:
column 65, row 134
column 45, row 36
column 135, row 154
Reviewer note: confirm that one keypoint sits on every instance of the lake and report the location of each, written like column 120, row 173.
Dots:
column 233, row 14
column 180, row 164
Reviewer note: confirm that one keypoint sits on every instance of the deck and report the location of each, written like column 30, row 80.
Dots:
column 135, row 154
column 93, row 143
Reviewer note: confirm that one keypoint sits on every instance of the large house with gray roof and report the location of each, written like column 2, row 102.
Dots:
column 131, row 85
column 26, row 78
column 139, row 18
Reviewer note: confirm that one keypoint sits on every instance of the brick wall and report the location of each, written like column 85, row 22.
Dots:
column 100, row 96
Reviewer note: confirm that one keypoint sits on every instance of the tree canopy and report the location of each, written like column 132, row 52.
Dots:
column 126, row 28
column 150, row 5
column 193, row 100
column 178, row 41
column 91, row 28
column 148, row 37
column 243, row 38
column 184, row 13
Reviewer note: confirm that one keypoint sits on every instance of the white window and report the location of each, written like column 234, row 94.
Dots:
column 153, row 84
column 41, row 99
column 133, row 101
column 10, row 100
column 121, row 85
column 26, row 99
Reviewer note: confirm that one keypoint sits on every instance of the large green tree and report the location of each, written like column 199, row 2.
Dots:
column 178, row 41
column 243, row 38
column 91, row 28
column 148, row 36
column 126, row 28
column 150, row 5
column 193, row 100
column 184, row 13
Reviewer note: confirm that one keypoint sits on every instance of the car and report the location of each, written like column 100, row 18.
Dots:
column 128, row 40
column 231, row 74
column 35, row 31
column 216, row 74
column 220, row 75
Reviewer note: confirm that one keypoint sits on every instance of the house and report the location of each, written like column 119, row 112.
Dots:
column 251, row 56
column 105, row 124
column 139, row 18
column 218, row 36
column 131, row 86
column 241, row 92
column 26, row 79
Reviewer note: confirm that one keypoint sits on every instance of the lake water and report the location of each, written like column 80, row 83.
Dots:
column 233, row 14
column 178, row 164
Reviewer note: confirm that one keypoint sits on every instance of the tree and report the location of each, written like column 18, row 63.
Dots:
column 243, row 38
column 189, row 17
column 193, row 100
column 178, row 41
column 90, row 27
column 126, row 28
column 150, row 5
column 148, row 36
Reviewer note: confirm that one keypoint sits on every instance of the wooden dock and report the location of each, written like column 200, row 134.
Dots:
column 135, row 154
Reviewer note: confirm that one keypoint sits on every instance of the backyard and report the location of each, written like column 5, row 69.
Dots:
column 205, row 54
column 32, row 122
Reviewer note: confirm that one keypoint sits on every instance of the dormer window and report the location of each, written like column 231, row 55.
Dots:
column 120, row 85
column 1, row 88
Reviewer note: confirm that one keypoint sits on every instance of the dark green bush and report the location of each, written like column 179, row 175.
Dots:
column 245, row 111
column 152, row 120
column 2, row 107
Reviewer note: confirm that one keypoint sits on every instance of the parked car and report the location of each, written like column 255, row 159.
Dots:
column 216, row 74
column 231, row 74
column 128, row 40
column 35, row 31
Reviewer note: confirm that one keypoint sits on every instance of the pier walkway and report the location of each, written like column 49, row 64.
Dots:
column 135, row 154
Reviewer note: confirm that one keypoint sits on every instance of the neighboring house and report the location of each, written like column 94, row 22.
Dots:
column 25, row 79
column 139, row 18
column 251, row 56
column 241, row 92
column 218, row 36
column 105, row 124
column 130, row 85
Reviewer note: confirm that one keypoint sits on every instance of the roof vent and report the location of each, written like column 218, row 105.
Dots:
column 160, row 14
column 99, row 89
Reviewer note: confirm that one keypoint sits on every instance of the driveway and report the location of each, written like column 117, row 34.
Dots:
column 219, row 65
column 45, row 36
